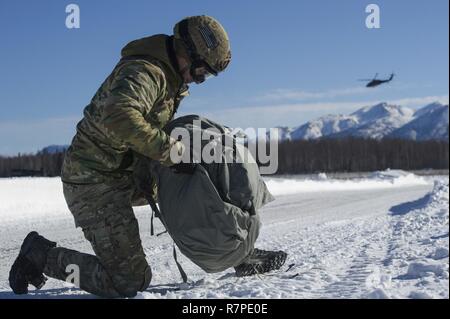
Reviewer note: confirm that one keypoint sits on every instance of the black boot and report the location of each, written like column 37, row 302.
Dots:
column 261, row 261
column 29, row 265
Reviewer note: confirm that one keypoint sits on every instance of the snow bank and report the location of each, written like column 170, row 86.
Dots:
column 422, row 269
column 418, row 258
column 377, row 180
column 23, row 197
column 436, row 197
column 32, row 196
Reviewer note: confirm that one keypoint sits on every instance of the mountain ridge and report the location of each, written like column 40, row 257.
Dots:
column 378, row 121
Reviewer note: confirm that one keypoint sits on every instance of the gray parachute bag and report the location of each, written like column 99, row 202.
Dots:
column 212, row 214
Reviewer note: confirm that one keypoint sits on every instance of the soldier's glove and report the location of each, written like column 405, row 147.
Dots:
column 174, row 153
column 184, row 168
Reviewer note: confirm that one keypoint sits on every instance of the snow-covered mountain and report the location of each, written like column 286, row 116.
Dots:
column 52, row 149
column 429, row 108
column 283, row 133
column 323, row 126
column 431, row 122
column 378, row 121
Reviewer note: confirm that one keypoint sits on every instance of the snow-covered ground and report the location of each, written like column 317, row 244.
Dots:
column 384, row 236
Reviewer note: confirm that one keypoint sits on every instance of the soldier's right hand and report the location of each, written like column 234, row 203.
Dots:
column 173, row 154
column 176, row 152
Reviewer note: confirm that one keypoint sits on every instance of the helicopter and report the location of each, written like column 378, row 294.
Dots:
column 375, row 82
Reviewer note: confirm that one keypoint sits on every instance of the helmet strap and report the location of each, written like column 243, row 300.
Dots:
column 196, row 60
column 184, row 34
column 197, row 78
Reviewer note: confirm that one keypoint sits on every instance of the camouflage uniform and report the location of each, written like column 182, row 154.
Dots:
column 126, row 115
column 123, row 121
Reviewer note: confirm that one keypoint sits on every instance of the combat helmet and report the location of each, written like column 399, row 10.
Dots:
column 206, row 42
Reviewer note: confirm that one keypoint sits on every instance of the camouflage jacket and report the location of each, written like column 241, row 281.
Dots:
column 126, row 114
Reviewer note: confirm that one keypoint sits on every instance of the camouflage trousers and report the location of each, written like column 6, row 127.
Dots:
column 104, row 213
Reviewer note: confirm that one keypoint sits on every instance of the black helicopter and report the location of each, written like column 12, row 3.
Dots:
column 375, row 82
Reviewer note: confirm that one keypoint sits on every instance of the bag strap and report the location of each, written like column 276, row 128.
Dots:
column 157, row 213
column 180, row 269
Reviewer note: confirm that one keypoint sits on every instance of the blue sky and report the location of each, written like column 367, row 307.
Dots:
column 292, row 60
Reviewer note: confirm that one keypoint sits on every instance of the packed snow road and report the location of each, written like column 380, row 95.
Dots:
column 385, row 236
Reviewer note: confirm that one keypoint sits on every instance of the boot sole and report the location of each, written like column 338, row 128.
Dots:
column 263, row 268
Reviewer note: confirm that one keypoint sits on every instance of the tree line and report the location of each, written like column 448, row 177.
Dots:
column 40, row 164
column 360, row 155
column 294, row 157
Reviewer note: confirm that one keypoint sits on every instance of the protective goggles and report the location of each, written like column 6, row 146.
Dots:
column 201, row 71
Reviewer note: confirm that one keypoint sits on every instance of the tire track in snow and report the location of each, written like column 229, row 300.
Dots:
column 355, row 281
